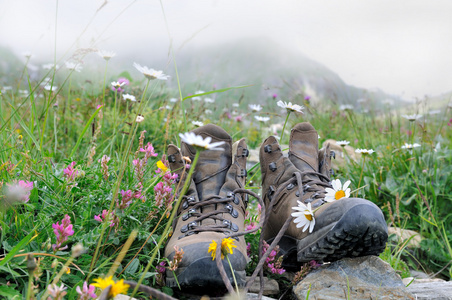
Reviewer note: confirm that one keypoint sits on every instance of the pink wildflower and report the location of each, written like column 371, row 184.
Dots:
column 103, row 162
column 87, row 292
column 19, row 191
column 62, row 232
column 149, row 151
column 164, row 190
column 250, row 226
column 129, row 195
column 101, row 218
column 238, row 118
column 70, row 173
column 274, row 96
column 273, row 264
column 248, row 249
column 57, row 292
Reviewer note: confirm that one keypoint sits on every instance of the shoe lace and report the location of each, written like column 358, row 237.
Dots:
column 306, row 182
column 194, row 209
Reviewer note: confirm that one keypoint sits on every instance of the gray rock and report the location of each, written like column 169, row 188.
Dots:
column 252, row 296
column 431, row 290
column 366, row 277
column 271, row 286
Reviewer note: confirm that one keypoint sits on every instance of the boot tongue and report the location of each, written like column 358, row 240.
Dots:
column 304, row 148
column 212, row 165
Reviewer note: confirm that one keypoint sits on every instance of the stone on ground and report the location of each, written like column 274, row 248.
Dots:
column 438, row 290
column 366, row 277
column 271, row 286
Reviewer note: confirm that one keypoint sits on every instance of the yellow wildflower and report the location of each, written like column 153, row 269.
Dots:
column 213, row 249
column 116, row 287
column 226, row 247
column 162, row 166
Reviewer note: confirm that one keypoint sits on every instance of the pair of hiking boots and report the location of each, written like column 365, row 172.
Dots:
column 214, row 208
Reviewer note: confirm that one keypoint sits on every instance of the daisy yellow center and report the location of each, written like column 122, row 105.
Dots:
column 339, row 194
column 308, row 216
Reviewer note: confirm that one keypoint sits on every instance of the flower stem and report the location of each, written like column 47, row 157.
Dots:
column 284, row 127
column 361, row 176
column 103, row 90
column 118, row 181
column 170, row 221
column 233, row 276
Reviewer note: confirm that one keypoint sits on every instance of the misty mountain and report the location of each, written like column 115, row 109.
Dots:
column 271, row 69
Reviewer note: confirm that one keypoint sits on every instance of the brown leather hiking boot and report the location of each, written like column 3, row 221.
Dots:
column 209, row 211
column 348, row 227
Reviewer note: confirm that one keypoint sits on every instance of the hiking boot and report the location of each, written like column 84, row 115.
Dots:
column 349, row 227
column 209, row 211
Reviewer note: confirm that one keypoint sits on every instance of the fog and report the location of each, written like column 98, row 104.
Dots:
column 401, row 47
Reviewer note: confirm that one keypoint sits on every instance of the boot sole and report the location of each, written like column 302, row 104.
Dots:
column 202, row 276
column 361, row 231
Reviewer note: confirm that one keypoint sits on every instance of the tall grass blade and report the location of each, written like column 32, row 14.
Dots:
column 84, row 131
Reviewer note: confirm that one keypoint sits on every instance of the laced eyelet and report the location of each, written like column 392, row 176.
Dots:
column 271, row 191
column 186, row 203
column 332, row 154
column 268, row 149
column 272, row 166
column 189, row 214
column 245, row 153
column 232, row 211
column 172, row 158
column 231, row 225
column 290, row 186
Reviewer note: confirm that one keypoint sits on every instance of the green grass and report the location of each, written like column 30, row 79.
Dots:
column 40, row 139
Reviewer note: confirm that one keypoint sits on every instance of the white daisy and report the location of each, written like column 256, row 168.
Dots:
column 304, row 216
column 50, row 66
column 117, row 84
column 290, row 107
column 198, row 142
column 150, row 73
column 364, row 151
column 106, row 54
column 197, row 98
column 346, row 107
column 208, row 111
column 129, row 97
column 197, row 123
column 262, row 119
column 73, row 66
column 412, row 118
column 338, row 191
column 140, row 119
column 48, row 87
column 235, row 105
column 410, row 146
column 173, row 100
column 255, row 107
column 209, row 100
column 342, row 143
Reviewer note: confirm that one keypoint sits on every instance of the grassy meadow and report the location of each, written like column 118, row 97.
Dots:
column 85, row 187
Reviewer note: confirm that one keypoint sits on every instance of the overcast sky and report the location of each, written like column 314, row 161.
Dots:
column 402, row 47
